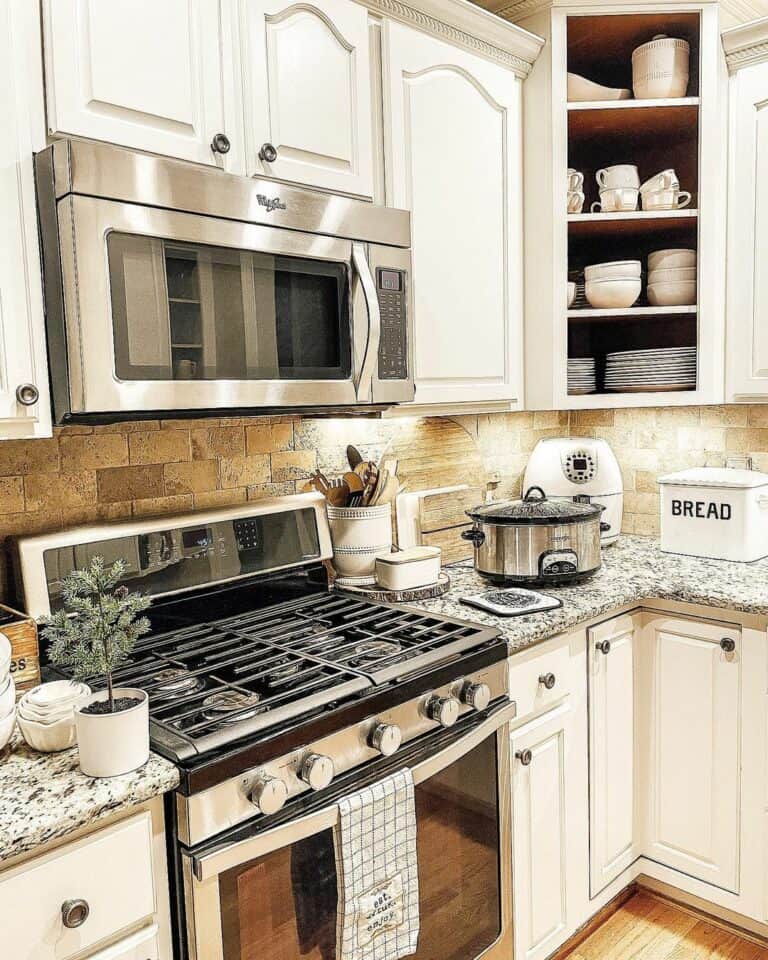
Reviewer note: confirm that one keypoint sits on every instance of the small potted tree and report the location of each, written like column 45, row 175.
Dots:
column 91, row 636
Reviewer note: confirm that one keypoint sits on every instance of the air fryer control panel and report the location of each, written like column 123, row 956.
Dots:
column 393, row 346
column 579, row 465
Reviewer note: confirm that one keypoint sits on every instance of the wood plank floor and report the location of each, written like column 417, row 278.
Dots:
column 645, row 928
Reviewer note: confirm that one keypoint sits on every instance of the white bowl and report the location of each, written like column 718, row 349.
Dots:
column 580, row 90
column 672, row 293
column 671, row 257
column 615, row 293
column 615, row 269
column 7, row 723
column 571, row 292
column 49, row 737
column 46, row 696
column 7, row 696
column 659, row 275
column 660, row 68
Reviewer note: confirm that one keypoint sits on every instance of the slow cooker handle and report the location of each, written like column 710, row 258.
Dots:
column 528, row 498
column 477, row 537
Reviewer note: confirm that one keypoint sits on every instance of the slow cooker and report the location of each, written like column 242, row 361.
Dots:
column 535, row 540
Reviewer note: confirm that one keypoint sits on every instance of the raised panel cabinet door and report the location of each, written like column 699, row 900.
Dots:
column 747, row 290
column 691, row 736
column 307, row 71
column 24, row 399
column 452, row 155
column 138, row 73
column 540, row 804
column 610, row 659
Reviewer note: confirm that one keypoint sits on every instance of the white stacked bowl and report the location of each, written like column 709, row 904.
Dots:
column 7, row 692
column 614, row 285
column 46, row 714
column 660, row 68
column 672, row 278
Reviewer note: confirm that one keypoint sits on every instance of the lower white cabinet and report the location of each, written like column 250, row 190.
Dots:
column 144, row 945
column 690, row 683
column 612, row 781
column 543, row 803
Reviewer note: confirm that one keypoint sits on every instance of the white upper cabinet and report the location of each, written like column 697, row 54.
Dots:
column 24, row 399
column 747, row 285
column 452, row 131
column 307, row 76
column 139, row 73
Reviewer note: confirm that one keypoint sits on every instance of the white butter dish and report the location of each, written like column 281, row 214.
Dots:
column 408, row 569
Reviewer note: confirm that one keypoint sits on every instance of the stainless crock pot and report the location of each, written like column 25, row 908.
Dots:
column 535, row 540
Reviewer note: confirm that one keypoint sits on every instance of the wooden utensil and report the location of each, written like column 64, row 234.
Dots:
column 356, row 487
column 353, row 456
column 337, row 493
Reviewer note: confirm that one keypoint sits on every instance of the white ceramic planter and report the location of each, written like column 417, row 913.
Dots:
column 359, row 535
column 113, row 743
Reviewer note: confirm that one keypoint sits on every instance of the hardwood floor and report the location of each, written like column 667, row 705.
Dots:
column 645, row 928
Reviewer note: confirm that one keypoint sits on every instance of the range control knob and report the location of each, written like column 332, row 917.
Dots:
column 269, row 794
column 317, row 771
column 386, row 738
column 445, row 710
column 477, row 695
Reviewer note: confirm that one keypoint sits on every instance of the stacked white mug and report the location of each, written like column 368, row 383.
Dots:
column 662, row 192
column 619, row 188
column 575, row 190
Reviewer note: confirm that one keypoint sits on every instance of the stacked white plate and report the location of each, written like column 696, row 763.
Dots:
column 46, row 714
column 646, row 371
column 581, row 375
column 7, row 692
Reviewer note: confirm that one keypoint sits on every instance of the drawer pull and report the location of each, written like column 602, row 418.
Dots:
column 74, row 913
column 728, row 645
column 548, row 680
column 524, row 756
column 604, row 646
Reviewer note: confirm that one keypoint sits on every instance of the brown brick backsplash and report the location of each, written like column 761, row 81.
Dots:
column 141, row 468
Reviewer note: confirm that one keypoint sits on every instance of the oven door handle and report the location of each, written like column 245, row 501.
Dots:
column 210, row 865
column 371, row 353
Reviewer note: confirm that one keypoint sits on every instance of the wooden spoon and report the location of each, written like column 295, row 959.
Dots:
column 353, row 456
column 356, row 487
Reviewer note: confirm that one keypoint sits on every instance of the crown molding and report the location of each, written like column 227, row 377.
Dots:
column 515, row 10
column 467, row 25
column 746, row 45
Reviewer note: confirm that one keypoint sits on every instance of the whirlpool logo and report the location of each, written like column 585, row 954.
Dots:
column 271, row 203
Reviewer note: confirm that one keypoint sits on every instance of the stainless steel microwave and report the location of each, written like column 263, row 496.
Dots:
column 175, row 287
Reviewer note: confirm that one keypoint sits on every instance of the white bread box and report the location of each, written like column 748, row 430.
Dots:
column 716, row 512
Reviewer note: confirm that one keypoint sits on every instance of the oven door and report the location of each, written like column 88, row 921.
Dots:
column 274, row 894
column 175, row 311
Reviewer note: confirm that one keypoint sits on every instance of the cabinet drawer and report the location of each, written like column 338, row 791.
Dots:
column 111, row 870
column 527, row 673
column 143, row 945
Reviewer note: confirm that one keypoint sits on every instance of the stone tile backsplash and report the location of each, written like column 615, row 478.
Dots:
column 103, row 473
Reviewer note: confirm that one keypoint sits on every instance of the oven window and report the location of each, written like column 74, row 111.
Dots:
column 195, row 312
column 283, row 906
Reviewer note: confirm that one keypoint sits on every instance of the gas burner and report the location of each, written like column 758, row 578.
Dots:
column 174, row 682
column 228, row 706
column 371, row 651
column 283, row 671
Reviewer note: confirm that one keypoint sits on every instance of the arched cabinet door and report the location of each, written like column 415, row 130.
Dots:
column 453, row 158
column 308, row 93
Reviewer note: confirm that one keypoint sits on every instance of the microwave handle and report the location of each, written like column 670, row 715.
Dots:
column 209, row 865
column 371, row 355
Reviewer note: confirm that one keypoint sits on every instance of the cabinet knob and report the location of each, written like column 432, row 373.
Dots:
column 548, row 680
column 27, row 394
column 269, row 794
column 525, row 757
column 268, row 153
column 386, row 738
column 74, row 913
column 317, row 771
column 220, row 143
column 727, row 645
column 604, row 646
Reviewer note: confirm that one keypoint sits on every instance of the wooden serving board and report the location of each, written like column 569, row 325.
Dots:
column 21, row 630
column 378, row 594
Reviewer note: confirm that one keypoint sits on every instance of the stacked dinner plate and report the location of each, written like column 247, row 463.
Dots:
column 581, row 375
column 646, row 371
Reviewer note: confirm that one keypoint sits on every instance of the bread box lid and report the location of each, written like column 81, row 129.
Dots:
column 727, row 477
column 410, row 555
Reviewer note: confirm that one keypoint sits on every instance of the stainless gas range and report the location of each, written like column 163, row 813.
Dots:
column 276, row 697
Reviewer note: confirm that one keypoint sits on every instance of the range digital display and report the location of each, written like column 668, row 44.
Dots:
column 390, row 280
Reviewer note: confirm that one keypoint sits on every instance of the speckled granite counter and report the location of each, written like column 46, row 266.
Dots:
column 634, row 569
column 43, row 796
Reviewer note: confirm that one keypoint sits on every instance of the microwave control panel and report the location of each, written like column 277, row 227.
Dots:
column 393, row 347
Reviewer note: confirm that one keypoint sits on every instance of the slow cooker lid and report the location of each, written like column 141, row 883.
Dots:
column 535, row 508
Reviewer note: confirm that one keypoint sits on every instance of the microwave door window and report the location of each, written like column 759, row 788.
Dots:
column 198, row 312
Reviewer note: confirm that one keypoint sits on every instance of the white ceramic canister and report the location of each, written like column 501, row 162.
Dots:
column 409, row 569
column 113, row 743
column 660, row 68
column 359, row 535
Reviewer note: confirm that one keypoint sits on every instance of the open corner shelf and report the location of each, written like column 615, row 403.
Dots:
column 589, row 106
column 629, row 313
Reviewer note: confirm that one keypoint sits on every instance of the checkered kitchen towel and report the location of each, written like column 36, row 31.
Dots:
column 378, row 881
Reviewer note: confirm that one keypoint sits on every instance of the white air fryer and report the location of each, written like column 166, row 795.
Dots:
column 582, row 469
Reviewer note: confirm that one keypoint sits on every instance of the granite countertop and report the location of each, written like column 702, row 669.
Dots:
column 634, row 569
column 43, row 796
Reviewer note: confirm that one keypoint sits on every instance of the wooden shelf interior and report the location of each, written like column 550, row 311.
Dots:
column 600, row 46
column 590, row 243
